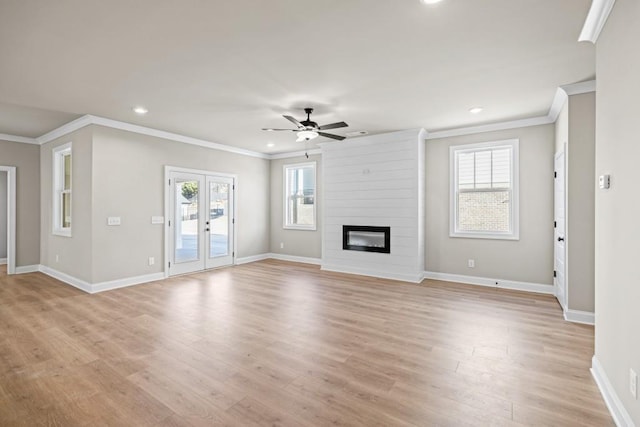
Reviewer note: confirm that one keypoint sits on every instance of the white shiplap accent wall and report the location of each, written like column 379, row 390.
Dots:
column 376, row 181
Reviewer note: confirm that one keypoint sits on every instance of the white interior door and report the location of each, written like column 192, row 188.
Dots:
column 559, row 247
column 200, row 222
column 220, row 221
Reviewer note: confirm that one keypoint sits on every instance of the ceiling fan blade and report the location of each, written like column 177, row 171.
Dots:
column 329, row 135
column 276, row 130
column 294, row 121
column 334, row 126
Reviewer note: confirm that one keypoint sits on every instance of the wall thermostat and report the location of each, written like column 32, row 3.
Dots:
column 605, row 181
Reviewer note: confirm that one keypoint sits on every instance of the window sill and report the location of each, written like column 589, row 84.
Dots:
column 62, row 233
column 300, row 227
column 487, row 236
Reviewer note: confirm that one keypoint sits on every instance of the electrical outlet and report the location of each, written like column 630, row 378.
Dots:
column 152, row 260
column 472, row 263
column 57, row 258
column 281, row 245
column 633, row 383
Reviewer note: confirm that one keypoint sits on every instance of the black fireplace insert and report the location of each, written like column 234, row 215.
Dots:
column 366, row 238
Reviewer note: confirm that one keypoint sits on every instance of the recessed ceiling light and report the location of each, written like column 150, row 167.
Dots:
column 430, row 1
column 271, row 144
column 475, row 110
column 140, row 110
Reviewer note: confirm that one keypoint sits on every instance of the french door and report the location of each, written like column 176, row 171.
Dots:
column 201, row 221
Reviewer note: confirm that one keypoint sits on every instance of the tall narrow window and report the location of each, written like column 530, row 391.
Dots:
column 299, row 196
column 62, row 190
column 484, row 190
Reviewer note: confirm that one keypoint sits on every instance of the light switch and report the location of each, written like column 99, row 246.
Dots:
column 157, row 220
column 113, row 220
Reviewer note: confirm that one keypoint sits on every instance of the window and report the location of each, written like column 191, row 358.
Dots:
column 62, row 190
column 300, row 196
column 484, row 190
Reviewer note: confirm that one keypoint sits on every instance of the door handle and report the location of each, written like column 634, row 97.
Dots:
column 560, row 239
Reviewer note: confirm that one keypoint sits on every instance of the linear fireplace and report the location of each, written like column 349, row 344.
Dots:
column 366, row 238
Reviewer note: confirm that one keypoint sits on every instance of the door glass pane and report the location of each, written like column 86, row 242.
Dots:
column 219, row 219
column 187, row 221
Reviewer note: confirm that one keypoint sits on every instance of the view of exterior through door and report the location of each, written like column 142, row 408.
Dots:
column 201, row 221
column 559, row 246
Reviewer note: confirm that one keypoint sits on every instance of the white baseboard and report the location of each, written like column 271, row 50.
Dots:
column 617, row 409
column 253, row 258
column 282, row 257
column 101, row 286
column 27, row 269
column 493, row 283
column 70, row 280
column 128, row 281
column 577, row 316
column 3, row 261
column 412, row 278
column 292, row 258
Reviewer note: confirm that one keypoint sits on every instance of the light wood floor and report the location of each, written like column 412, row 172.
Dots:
column 275, row 343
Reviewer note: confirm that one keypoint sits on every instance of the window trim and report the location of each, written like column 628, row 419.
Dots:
column 58, row 181
column 285, row 214
column 515, row 191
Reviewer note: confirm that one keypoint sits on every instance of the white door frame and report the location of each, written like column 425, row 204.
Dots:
column 11, row 217
column 565, row 303
column 167, row 208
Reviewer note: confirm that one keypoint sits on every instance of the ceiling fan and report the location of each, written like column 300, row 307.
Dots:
column 308, row 130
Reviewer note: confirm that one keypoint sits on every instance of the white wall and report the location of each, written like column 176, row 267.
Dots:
column 580, row 213
column 618, row 209
column 575, row 132
column 3, row 214
column 119, row 173
column 529, row 259
column 70, row 255
column 128, row 181
column 26, row 159
column 303, row 243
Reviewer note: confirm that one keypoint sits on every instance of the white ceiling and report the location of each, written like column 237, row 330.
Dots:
column 221, row 70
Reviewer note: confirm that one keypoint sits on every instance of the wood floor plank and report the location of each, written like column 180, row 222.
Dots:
column 279, row 343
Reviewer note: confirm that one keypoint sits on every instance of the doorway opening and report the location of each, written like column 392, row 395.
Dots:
column 559, row 232
column 7, row 220
column 200, row 225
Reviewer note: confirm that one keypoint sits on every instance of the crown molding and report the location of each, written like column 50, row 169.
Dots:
column 596, row 19
column 65, row 129
column 114, row 124
column 564, row 92
column 513, row 124
column 558, row 102
column 15, row 138
column 291, row 154
column 560, row 98
column 579, row 88
column 416, row 133
column 142, row 130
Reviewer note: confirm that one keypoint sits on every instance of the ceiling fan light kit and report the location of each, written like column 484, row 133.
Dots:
column 306, row 135
column 308, row 130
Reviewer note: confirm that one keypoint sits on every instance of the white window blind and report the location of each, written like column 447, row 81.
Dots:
column 483, row 190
